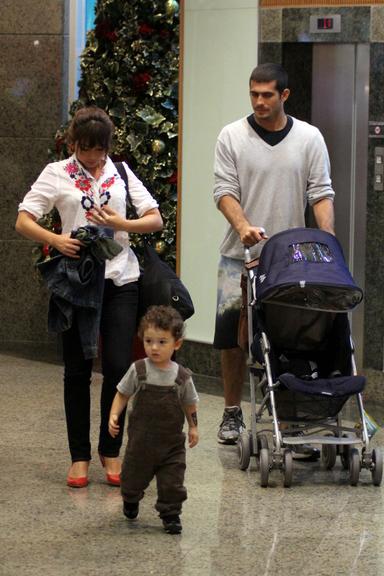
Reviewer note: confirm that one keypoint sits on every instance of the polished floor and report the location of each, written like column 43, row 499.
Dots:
column 320, row 526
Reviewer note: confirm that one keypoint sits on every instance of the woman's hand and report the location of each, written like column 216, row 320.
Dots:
column 66, row 245
column 151, row 221
column 27, row 226
column 107, row 217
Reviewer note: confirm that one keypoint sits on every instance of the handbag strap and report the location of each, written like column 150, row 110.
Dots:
column 131, row 210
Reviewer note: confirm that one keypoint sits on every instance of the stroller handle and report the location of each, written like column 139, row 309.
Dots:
column 251, row 289
column 247, row 255
column 247, row 252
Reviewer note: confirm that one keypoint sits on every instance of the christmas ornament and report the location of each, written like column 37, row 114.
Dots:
column 46, row 250
column 158, row 146
column 171, row 7
column 145, row 29
column 160, row 246
column 140, row 81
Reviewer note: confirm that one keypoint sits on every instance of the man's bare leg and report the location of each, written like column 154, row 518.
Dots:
column 233, row 371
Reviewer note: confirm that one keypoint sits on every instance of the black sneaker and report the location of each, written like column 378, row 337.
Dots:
column 304, row 451
column 172, row 524
column 131, row 509
column 231, row 426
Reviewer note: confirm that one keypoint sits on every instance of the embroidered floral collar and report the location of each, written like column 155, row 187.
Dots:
column 86, row 185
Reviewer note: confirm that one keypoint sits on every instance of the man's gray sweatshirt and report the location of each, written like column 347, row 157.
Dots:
column 272, row 183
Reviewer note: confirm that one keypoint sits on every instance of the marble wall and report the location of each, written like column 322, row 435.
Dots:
column 33, row 48
column 374, row 293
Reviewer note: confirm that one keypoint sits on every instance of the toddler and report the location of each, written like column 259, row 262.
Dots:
column 164, row 394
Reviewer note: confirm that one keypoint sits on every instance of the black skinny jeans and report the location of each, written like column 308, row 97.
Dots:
column 117, row 331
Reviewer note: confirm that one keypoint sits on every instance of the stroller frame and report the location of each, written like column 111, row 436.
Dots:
column 350, row 443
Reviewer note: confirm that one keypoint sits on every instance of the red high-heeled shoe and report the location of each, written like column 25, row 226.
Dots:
column 112, row 479
column 81, row 482
column 77, row 481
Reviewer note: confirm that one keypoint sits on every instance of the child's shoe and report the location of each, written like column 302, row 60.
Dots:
column 172, row 524
column 131, row 509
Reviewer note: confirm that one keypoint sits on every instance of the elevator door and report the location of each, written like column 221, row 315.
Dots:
column 340, row 83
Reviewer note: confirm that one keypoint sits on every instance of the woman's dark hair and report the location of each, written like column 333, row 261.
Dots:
column 91, row 127
column 162, row 318
column 268, row 72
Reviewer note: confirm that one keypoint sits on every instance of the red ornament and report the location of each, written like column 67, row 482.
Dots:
column 145, row 30
column 173, row 179
column 141, row 81
column 104, row 30
column 46, row 249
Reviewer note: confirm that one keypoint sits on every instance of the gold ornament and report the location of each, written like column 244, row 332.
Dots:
column 171, row 7
column 158, row 146
column 160, row 246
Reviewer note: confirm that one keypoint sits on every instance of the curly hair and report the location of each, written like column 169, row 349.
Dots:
column 162, row 318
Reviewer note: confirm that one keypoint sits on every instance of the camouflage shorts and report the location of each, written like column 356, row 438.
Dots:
column 228, row 303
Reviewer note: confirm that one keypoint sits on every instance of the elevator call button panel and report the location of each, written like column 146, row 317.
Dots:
column 379, row 169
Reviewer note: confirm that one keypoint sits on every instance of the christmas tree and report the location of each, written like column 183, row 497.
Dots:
column 130, row 68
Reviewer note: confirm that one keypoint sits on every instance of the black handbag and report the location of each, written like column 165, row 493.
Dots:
column 158, row 283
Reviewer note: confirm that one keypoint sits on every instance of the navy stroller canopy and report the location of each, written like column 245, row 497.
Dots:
column 305, row 268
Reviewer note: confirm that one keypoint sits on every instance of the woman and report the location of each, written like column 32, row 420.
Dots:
column 87, row 190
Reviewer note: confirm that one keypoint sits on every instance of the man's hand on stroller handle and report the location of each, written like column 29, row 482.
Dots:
column 251, row 235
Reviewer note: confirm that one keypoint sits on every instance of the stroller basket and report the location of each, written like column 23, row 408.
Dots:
column 303, row 400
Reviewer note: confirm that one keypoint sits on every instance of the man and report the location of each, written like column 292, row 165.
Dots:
column 268, row 166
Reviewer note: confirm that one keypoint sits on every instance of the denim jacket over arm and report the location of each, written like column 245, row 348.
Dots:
column 77, row 285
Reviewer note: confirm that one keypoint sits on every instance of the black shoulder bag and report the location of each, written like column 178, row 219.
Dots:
column 159, row 284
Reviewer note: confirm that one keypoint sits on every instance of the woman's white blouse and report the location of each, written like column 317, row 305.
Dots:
column 70, row 188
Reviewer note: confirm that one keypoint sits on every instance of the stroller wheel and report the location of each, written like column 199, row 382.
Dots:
column 264, row 467
column 354, row 466
column 328, row 455
column 244, row 450
column 344, row 452
column 288, row 468
column 377, row 466
column 344, row 456
column 262, row 441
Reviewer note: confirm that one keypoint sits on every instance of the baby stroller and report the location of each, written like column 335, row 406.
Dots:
column 301, row 357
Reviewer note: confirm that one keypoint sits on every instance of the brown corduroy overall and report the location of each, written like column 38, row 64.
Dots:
column 156, row 444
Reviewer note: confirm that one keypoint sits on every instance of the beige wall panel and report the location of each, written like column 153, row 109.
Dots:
column 220, row 50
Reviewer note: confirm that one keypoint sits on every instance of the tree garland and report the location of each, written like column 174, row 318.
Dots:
column 130, row 68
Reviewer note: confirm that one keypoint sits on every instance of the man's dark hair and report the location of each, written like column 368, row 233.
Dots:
column 268, row 72
column 162, row 318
